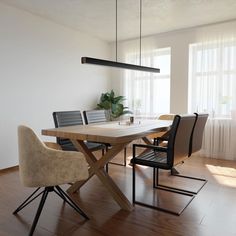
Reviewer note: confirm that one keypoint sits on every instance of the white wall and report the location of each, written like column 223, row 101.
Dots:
column 40, row 72
column 179, row 42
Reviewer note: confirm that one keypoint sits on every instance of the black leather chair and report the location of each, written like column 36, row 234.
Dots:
column 68, row 118
column 194, row 146
column 98, row 116
column 94, row 116
column 159, row 157
column 197, row 135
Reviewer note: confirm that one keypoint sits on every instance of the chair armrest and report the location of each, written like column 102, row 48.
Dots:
column 157, row 148
column 162, row 139
column 56, row 167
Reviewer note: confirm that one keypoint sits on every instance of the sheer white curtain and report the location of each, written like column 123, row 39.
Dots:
column 148, row 94
column 212, row 79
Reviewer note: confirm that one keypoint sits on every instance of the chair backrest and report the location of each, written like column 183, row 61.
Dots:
column 29, row 146
column 197, row 134
column 94, row 116
column 166, row 117
column 42, row 166
column 66, row 118
column 179, row 139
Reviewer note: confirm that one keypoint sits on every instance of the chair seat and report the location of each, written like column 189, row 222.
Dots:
column 152, row 158
column 95, row 146
column 91, row 146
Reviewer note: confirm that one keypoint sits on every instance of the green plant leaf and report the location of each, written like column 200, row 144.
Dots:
column 119, row 99
column 112, row 95
column 109, row 101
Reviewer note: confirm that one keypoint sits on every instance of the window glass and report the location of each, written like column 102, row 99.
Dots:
column 148, row 94
column 212, row 78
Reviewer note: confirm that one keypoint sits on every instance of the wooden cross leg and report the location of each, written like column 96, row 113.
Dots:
column 96, row 167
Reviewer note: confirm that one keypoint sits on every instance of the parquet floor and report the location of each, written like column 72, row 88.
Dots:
column 211, row 213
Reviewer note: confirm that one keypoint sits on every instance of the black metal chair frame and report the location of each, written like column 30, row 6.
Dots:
column 58, row 190
column 74, row 122
column 174, row 172
column 156, row 184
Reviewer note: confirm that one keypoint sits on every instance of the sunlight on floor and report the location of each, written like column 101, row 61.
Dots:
column 224, row 175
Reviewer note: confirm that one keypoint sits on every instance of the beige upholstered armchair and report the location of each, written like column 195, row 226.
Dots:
column 42, row 166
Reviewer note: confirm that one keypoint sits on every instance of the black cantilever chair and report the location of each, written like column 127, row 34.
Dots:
column 159, row 157
column 97, row 116
column 194, row 146
column 69, row 118
column 94, row 116
column 197, row 135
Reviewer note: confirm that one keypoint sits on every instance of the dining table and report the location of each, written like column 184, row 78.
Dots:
column 117, row 133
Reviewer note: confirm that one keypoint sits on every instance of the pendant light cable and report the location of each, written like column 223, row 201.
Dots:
column 116, row 31
column 140, row 32
column 102, row 62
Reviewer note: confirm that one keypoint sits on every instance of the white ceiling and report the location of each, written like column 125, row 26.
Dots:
column 97, row 17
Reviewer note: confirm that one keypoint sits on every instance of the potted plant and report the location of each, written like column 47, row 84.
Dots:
column 113, row 105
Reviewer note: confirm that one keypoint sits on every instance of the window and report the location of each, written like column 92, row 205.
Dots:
column 212, row 77
column 212, row 80
column 148, row 94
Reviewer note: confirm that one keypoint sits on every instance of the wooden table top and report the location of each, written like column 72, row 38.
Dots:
column 110, row 132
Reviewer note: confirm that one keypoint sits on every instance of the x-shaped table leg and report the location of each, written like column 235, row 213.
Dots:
column 96, row 167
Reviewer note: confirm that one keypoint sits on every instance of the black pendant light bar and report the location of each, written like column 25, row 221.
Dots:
column 101, row 62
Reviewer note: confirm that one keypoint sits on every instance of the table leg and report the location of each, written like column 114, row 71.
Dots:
column 97, row 168
column 77, row 185
column 147, row 141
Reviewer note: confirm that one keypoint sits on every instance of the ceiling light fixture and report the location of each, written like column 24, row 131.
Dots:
column 96, row 61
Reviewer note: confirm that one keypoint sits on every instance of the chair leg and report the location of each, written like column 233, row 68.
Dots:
column 174, row 172
column 60, row 195
column 155, row 185
column 106, row 167
column 44, row 193
column 27, row 201
column 155, row 177
column 133, row 184
column 167, row 188
column 41, row 204
column 68, row 200
column 190, row 177
column 125, row 154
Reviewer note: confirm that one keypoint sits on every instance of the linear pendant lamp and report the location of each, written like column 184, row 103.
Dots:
column 101, row 62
